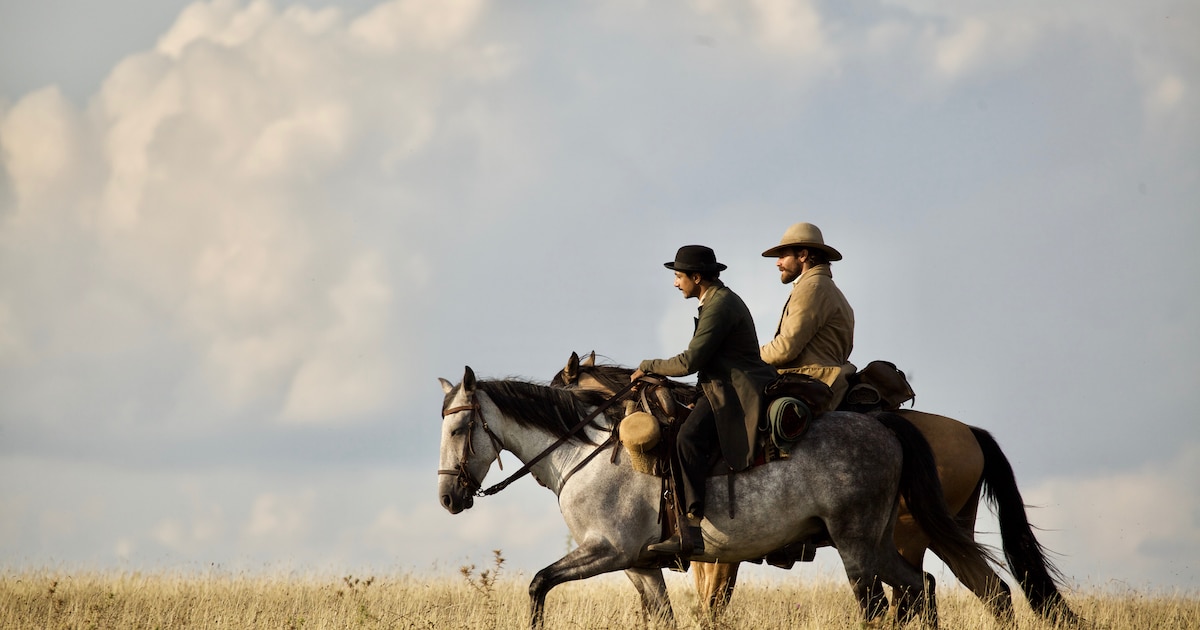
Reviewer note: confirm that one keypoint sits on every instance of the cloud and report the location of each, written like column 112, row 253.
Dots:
column 337, row 377
column 789, row 27
column 401, row 23
column 1129, row 528
column 280, row 518
column 194, row 193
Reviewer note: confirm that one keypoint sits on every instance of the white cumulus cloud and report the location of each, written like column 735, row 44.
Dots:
column 195, row 191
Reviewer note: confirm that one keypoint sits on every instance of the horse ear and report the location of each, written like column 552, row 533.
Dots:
column 447, row 386
column 590, row 361
column 469, row 379
column 571, row 372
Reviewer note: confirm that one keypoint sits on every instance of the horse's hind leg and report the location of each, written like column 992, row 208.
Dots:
column 864, row 577
column 975, row 573
column 983, row 581
column 911, row 601
column 875, row 602
column 869, row 564
column 656, row 605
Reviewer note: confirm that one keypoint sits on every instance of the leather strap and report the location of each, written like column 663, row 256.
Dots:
column 562, row 440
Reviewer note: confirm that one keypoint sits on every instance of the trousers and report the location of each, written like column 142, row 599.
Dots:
column 695, row 444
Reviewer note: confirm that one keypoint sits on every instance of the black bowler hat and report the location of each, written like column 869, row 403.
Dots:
column 695, row 259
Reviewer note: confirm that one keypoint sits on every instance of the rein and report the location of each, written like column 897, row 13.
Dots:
column 466, row 479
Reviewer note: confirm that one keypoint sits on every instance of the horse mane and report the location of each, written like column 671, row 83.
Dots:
column 555, row 411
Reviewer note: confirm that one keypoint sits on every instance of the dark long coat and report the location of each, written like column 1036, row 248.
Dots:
column 724, row 353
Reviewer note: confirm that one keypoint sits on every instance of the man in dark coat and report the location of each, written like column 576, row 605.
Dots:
column 724, row 353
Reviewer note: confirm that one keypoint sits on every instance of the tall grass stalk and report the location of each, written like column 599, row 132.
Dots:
column 58, row 599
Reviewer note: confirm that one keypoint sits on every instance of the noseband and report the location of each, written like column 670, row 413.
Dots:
column 464, row 476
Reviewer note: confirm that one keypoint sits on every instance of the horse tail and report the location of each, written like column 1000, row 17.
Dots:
column 922, row 492
column 1026, row 556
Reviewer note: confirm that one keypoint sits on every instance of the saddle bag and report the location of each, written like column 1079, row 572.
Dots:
column 880, row 385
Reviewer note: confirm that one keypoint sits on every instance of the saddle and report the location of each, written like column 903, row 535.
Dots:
column 650, row 425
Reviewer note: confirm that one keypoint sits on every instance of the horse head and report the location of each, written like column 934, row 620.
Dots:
column 466, row 453
column 585, row 374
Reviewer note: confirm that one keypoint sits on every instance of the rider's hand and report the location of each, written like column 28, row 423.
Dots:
column 636, row 375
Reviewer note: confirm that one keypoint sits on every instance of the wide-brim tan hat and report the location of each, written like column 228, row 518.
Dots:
column 800, row 236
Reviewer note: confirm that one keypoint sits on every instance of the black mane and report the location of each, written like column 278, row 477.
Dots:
column 555, row 411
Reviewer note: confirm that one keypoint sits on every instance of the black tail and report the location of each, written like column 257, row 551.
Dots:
column 922, row 492
column 1026, row 557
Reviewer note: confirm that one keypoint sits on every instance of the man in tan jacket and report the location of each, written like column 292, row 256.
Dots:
column 816, row 331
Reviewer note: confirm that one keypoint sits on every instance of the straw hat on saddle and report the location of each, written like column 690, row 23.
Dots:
column 802, row 236
column 695, row 259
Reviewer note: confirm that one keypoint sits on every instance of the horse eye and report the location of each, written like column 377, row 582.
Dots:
column 455, row 432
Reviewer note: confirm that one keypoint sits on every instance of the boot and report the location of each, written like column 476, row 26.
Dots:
column 673, row 546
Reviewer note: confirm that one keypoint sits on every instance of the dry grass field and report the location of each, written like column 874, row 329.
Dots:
column 483, row 599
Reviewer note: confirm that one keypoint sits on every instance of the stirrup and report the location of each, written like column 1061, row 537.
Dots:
column 674, row 545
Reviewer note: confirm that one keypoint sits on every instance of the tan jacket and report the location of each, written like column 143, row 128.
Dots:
column 816, row 331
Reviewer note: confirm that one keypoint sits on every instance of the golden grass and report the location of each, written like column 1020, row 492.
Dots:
column 57, row 599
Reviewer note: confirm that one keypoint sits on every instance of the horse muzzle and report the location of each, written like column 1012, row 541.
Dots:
column 457, row 492
column 455, row 504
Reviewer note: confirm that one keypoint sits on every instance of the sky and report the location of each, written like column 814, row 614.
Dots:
column 240, row 242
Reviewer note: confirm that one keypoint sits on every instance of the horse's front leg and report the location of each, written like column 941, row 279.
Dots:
column 656, row 605
column 593, row 557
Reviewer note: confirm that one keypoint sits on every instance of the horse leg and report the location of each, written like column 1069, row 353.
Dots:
column 868, row 563
column 909, row 603
column 914, row 592
column 864, row 578
column 591, row 558
column 656, row 605
column 714, row 584
column 976, row 574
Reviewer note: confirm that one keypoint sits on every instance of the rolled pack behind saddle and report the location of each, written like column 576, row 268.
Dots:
column 793, row 400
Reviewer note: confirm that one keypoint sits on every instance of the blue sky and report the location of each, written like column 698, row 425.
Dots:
column 239, row 242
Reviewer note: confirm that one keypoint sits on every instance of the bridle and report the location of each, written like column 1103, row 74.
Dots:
column 464, row 477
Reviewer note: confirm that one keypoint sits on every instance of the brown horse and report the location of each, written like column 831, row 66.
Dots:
column 970, row 464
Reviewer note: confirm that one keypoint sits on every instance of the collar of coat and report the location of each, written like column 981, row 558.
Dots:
column 819, row 270
column 712, row 288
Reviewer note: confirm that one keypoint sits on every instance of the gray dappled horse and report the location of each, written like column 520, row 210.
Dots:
column 970, row 464
column 612, row 511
